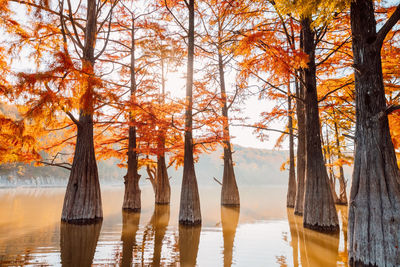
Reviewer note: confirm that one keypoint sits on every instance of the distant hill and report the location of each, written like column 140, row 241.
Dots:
column 252, row 167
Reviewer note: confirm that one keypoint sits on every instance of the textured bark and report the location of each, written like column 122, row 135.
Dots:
column 82, row 202
column 189, row 238
column 162, row 187
column 189, row 211
column 130, row 226
column 229, row 220
column 374, row 217
column 78, row 244
column 159, row 223
column 132, row 201
column 319, row 208
column 229, row 191
column 291, row 193
column 301, row 149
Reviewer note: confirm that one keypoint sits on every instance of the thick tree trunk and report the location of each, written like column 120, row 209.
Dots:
column 301, row 150
column 291, row 193
column 78, row 244
column 342, row 181
column 159, row 222
column 130, row 226
column 374, row 217
column 189, row 238
column 82, row 202
column 229, row 191
column 229, row 220
column 162, row 186
column 189, row 211
column 132, row 200
column 319, row 208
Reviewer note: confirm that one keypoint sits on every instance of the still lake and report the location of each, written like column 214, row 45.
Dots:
column 263, row 232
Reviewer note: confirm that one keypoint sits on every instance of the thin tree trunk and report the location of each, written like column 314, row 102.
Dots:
column 374, row 217
column 162, row 186
column 130, row 226
column 291, row 193
column 82, row 202
column 342, row 181
column 132, row 200
column 319, row 207
column 229, row 191
column 78, row 244
column 301, row 149
column 328, row 160
column 189, row 211
column 229, row 220
column 159, row 222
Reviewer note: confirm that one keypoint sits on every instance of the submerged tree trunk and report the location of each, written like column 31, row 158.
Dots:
column 319, row 208
column 342, row 182
column 78, row 244
column 291, row 194
column 301, row 149
column 82, row 202
column 132, row 200
column 229, row 221
column 130, row 226
column 374, row 217
column 189, row 211
column 229, row 191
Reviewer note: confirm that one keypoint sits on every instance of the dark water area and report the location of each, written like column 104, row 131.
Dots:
column 263, row 232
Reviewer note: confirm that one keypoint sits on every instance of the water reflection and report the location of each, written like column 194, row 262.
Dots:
column 78, row 243
column 159, row 223
column 229, row 219
column 189, row 238
column 315, row 248
column 130, row 226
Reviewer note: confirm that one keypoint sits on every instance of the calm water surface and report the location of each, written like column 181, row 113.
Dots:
column 261, row 233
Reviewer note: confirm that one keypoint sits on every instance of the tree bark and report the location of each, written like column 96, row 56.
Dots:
column 132, row 201
column 328, row 160
column 82, row 202
column 374, row 217
column 301, row 149
column 130, row 226
column 229, row 191
column 229, row 220
column 319, row 208
column 159, row 222
column 189, row 211
column 291, row 193
column 78, row 244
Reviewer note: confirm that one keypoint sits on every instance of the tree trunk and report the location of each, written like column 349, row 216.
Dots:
column 319, row 208
column 82, row 202
column 189, row 238
column 159, row 222
column 189, row 211
column 328, row 160
column 229, row 220
column 301, row 149
column 229, row 191
column 342, row 181
column 130, row 226
column 291, row 193
column 374, row 217
column 78, row 244
column 132, row 200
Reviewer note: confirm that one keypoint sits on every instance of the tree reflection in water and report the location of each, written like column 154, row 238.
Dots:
column 130, row 226
column 159, row 223
column 315, row 248
column 229, row 219
column 189, row 237
column 78, row 243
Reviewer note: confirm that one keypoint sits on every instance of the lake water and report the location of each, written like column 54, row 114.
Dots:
column 262, row 233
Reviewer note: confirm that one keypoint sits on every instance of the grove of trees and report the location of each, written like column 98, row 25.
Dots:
column 83, row 81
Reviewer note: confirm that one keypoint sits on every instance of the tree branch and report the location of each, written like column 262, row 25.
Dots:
column 387, row 27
